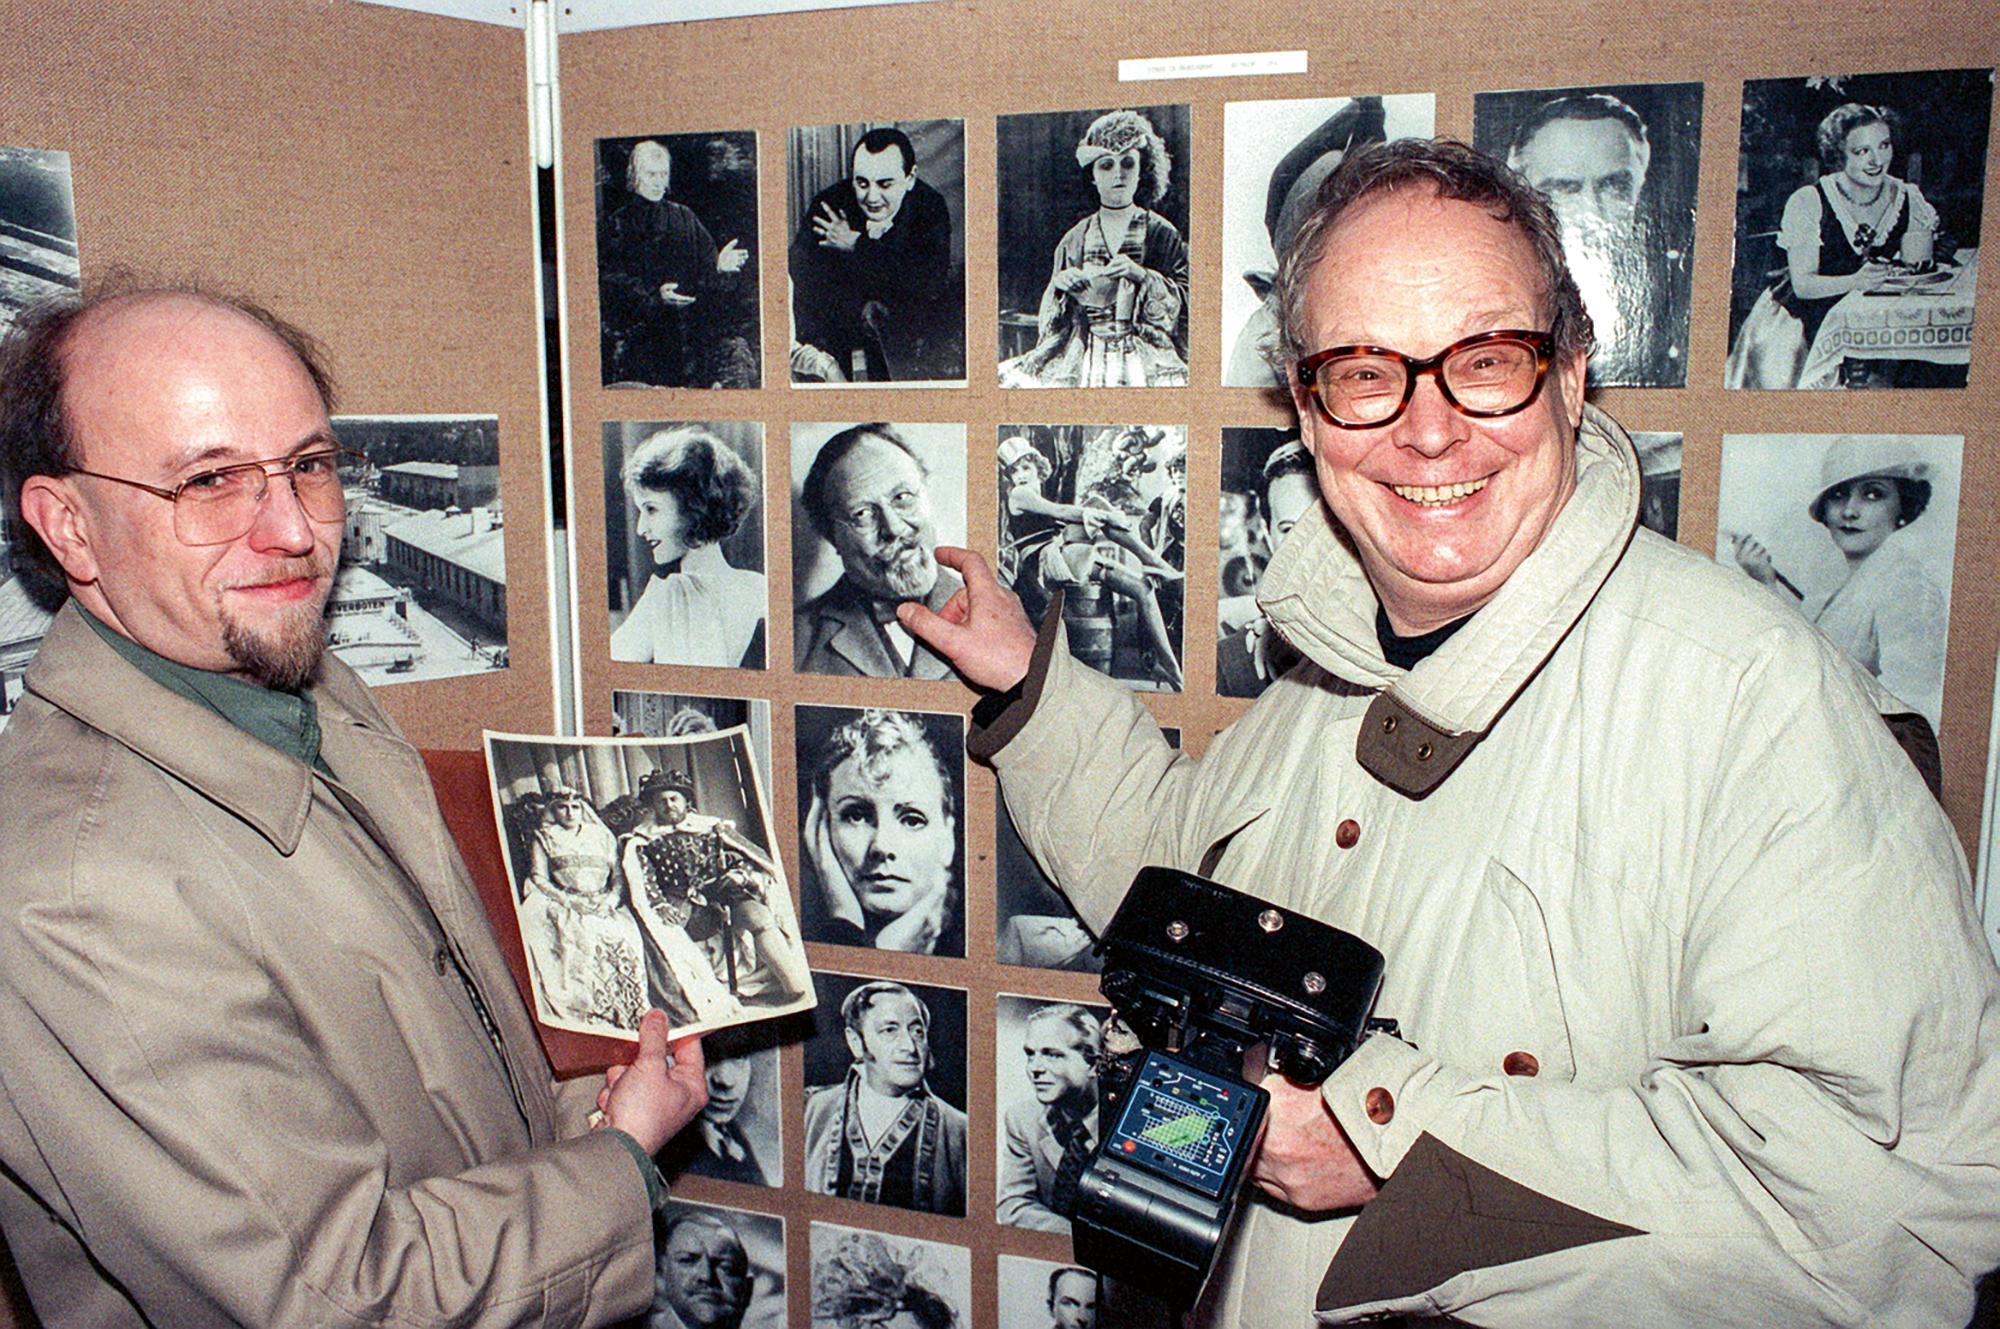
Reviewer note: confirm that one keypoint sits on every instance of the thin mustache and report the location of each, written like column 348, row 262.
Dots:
column 292, row 570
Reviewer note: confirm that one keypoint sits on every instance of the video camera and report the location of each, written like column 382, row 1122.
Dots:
column 1201, row 974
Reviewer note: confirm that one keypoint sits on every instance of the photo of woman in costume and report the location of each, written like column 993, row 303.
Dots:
column 881, row 842
column 1114, row 311
column 582, row 942
column 1048, row 544
column 691, row 496
column 1883, row 603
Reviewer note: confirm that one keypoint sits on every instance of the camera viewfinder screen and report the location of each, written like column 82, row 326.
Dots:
column 1185, row 1124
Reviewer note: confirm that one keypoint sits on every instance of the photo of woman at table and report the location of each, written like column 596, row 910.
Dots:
column 1876, row 578
column 1113, row 308
column 1867, row 283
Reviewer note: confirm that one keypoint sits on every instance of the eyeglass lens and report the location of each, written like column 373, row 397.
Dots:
column 1491, row 376
column 222, row 504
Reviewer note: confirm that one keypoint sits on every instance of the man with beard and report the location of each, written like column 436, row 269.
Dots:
column 871, row 270
column 881, row 1135
column 868, row 495
column 1046, row 1140
column 1589, row 153
column 265, row 1063
column 703, row 1277
column 1072, row 1298
column 662, row 288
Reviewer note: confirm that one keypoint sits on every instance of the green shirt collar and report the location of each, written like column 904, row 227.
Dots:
column 285, row 720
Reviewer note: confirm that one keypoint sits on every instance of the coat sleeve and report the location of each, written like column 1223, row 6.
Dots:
column 183, row 1122
column 1811, row 1145
column 1092, row 784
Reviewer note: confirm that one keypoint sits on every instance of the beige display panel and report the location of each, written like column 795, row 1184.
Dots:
column 364, row 172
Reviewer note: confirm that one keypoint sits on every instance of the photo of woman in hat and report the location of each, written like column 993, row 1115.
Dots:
column 583, row 942
column 1881, row 604
column 1114, row 312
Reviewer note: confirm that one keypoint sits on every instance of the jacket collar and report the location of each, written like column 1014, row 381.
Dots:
column 78, row 673
column 1316, row 593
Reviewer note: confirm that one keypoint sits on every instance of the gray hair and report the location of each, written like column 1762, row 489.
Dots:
column 1446, row 169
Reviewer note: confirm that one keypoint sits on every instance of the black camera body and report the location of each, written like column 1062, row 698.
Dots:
column 1201, row 974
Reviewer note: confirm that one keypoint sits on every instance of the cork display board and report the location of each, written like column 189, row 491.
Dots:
column 995, row 102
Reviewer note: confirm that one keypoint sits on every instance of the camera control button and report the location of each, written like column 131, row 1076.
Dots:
column 1520, row 1063
column 1347, row 834
column 1380, row 1105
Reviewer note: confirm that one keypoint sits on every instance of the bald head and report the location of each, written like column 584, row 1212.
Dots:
column 107, row 407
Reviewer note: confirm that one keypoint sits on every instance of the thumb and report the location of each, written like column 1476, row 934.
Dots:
column 652, row 1037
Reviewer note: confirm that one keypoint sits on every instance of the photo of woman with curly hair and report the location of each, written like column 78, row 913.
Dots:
column 694, row 507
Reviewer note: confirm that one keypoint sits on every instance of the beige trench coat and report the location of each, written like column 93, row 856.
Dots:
column 243, row 1082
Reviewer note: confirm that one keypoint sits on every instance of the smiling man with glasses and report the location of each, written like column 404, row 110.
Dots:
column 1696, row 1025
column 263, row 1062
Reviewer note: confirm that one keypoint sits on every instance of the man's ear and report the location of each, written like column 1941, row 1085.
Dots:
column 1572, row 369
column 855, row 1047
column 51, row 505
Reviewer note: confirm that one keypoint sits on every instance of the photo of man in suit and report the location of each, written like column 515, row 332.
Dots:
column 867, row 493
column 1046, row 1138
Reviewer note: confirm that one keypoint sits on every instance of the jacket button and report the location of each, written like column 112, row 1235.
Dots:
column 1347, row 834
column 1520, row 1063
column 1380, row 1106
column 440, row 960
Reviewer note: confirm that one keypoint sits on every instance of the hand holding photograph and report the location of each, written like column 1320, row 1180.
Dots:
column 644, row 877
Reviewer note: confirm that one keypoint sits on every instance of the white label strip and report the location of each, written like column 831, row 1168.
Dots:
column 1246, row 64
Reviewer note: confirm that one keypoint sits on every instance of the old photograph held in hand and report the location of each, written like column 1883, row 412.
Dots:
column 644, row 877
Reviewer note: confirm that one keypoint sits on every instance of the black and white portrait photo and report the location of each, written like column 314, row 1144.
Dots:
column 880, row 1281
column 677, row 293
column 870, row 503
column 1094, row 248
column 1045, row 1092
column 1858, row 532
column 1275, row 156
column 878, row 253
column 1659, row 481
column 1620, row 165
column 716, row 1268
column 644, row 876
column 885, row 1094
column 684, row 542
column 1041, row 1294
column 1100, row 513
column 1857, row 230
column 739, row 1135
column 882, row 835
column 1034, row 925
column 1268, row 483
column 422, row 590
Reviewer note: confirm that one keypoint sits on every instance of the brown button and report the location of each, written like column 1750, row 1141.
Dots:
column 1347, row 834
column 1380, row 1105
column 1520, row 1063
